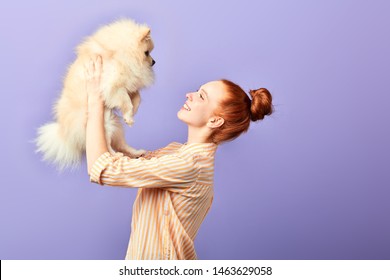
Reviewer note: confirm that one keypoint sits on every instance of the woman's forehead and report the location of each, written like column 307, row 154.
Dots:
column 214, row 89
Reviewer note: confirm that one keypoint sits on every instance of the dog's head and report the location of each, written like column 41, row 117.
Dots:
column 146, row 44
column 127, row 45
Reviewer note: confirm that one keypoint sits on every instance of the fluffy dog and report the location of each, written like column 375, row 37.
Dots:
column 125, row 48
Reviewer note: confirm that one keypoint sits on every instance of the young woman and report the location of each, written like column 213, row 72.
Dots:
column 175, row 183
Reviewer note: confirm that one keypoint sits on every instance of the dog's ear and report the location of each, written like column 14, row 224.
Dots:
column 145, row 34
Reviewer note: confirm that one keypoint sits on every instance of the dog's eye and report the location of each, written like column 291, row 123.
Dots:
column 147, row 53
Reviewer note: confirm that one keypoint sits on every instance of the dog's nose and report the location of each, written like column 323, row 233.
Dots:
column 153, row 62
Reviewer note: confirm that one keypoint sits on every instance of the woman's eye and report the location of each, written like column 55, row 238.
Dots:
column 201, row 96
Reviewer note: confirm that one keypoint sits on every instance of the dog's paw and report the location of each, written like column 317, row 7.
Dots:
column 138, row 153
column 129, row 120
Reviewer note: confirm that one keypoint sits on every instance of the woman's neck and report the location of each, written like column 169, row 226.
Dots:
column 198, row 135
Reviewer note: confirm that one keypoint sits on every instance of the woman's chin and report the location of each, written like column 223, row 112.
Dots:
column 182, row 117
column 180, row 114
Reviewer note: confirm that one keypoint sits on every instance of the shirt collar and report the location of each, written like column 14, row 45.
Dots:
column 204, row 147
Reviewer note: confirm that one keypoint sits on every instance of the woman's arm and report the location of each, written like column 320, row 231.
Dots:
column 96, row 144
column 167, row 171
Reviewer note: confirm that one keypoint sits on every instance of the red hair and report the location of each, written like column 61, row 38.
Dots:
column 237, row 109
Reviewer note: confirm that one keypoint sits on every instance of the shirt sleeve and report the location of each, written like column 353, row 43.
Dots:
column 162, row 151
column 158, row 172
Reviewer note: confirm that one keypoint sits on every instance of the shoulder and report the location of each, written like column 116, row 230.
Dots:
column 175, row 145
column 198, row 150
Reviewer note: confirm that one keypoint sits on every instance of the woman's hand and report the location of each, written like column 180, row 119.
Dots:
column 93, row 72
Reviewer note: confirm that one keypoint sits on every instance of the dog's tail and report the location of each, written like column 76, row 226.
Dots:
column 56, row 149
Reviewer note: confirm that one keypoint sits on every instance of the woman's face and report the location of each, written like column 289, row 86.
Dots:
column 200, row 105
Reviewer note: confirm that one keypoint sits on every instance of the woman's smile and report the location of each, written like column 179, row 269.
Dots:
column 185, row 106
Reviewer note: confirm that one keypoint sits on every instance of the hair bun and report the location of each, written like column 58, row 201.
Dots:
column 261, row 104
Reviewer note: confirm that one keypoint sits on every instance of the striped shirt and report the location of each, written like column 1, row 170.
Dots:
column 174, row 196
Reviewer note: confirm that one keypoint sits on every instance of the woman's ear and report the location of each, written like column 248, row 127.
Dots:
column 215, row 122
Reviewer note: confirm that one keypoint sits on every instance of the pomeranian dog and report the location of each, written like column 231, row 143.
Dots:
column 125, row 48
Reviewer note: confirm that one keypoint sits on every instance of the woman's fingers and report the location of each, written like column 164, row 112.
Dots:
column 98, row 64
column 92, row 73
column 93, row 68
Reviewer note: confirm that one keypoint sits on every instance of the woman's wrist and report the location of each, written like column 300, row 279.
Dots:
column 95, row 103
column 95, row 110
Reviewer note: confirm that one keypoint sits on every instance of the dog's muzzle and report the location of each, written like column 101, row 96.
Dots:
column 153, row 62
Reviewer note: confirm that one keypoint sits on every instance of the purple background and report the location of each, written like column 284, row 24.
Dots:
column 310, row 182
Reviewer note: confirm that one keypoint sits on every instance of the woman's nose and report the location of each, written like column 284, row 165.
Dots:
column 189, row 96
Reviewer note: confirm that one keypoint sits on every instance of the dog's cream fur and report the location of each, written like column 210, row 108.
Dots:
column 125, row 48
